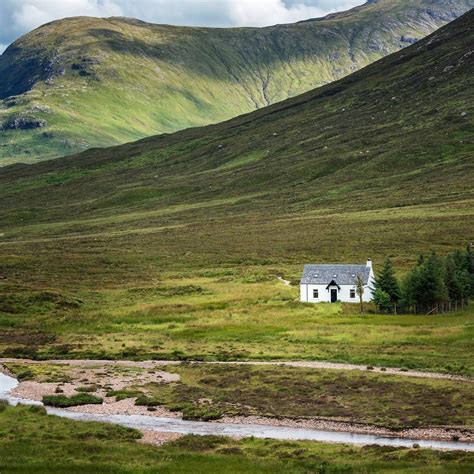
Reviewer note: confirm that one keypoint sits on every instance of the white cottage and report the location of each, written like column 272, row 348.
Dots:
column 331, row 283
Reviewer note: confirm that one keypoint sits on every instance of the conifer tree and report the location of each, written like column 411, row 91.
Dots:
column 424, row 287
column 411, row 288
column 457, row 278
column 432, row 288
column 387, row 282
column 470, row 268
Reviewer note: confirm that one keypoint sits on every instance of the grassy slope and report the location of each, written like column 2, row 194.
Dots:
column 33, row 442
column 378, row 163
column 142, row 79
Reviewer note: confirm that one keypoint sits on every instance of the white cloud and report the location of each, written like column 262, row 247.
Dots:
column 265, row 12
column 20, row 16
column 29, row 14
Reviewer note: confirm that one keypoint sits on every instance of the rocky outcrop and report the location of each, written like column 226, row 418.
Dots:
column 23, row 123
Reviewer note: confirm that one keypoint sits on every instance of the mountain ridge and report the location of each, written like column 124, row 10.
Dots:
column 383, row 156
column 117, row 80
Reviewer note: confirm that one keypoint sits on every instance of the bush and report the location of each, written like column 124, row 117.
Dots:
column 87, row 389
column 62, row 401
column 143, row 400
column 124, row 394
column 201, row 413
column 382, row 299
column 199, row 443
column 25, row 375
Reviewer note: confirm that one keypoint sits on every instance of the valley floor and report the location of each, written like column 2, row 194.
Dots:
column 225, row 314
column 293, row 395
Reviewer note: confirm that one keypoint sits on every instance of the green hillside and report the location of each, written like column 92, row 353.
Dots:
column 386, row 152
column 169, row 247
column 84, row 82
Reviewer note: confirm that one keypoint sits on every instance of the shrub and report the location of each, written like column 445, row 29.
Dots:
column 199, row 443
column 87, row 389
column 25, row 375
column 62, row 401
column 201, row 413
column 143, row 400
column 123, row 394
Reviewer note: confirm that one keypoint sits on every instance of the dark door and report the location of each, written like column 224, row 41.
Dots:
column 333, row 296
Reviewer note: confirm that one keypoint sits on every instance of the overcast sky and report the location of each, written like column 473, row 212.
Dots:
column 20, row 16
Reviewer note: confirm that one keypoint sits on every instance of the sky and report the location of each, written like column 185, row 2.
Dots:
column 17, row 17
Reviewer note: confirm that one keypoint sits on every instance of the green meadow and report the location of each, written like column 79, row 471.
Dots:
column 31, row 441
column 226, row 314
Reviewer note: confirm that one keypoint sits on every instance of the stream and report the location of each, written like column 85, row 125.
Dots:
column 177, row 425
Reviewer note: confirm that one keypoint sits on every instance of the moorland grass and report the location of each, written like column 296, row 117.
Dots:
column 31, row 441
column 208, row 391
column 211, row 391
column 227, row 319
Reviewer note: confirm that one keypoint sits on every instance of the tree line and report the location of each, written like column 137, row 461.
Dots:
column 433, row 285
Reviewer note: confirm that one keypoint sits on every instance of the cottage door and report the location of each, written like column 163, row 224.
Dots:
column 333, row 295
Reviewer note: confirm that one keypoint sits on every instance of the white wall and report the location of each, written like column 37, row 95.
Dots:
column 324, row 295
column 343, row 294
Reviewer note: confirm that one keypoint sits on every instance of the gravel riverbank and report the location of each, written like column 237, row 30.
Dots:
column 115, row 375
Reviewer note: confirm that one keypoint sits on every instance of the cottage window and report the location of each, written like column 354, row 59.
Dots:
column 315, row 294
column 353, row 293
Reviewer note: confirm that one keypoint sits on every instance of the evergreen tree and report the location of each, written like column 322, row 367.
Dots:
column 457, row 278
column 387, row 282
column 424, row 287
column 382, row 299
column 432, row 289
column 470, row 268
column 412, row 287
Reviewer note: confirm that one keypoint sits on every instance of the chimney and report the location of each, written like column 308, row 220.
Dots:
column 369, row 262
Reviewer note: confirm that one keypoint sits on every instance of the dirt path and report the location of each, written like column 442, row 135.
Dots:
column 285, row 282
column 152, row 364
column 337, row 366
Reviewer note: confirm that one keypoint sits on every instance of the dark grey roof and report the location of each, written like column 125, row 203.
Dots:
column 341, row 274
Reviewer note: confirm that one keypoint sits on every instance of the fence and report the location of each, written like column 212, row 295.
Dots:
column 444, row 307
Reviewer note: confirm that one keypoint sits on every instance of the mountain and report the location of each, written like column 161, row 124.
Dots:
column 85, row 82
column 378, row 163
